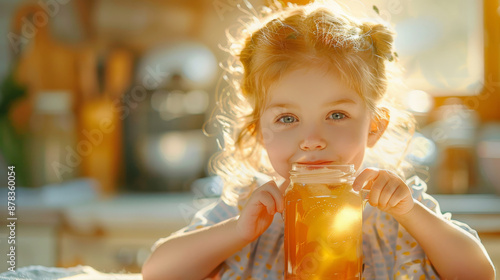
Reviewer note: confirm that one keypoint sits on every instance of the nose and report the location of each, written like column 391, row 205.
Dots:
column 313, row 143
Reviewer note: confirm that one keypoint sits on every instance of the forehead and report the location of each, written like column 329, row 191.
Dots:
column 311, row 84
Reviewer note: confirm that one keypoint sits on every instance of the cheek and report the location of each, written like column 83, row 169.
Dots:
column 348, row 144
column 352, row 151
column 280, row 147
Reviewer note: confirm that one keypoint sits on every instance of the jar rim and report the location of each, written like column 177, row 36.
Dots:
column 341, row 166
column 311, row 173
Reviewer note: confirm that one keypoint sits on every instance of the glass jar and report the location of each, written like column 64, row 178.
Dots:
column 323, row 219
column 53, row 137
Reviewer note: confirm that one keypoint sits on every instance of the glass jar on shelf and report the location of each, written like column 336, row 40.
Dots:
column 52, row 139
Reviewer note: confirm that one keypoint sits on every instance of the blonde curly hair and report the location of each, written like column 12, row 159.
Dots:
column 278, row 39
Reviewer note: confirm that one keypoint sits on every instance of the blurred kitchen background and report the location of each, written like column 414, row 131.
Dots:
column 103, row 105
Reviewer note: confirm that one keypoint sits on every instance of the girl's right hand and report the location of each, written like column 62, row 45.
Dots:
column 260, row 209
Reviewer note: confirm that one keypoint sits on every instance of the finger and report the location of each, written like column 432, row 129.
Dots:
column 364, row 177
column 276, row 194
column 377, row 187
column 399, row 195
column 387, row 193
column 265, row 198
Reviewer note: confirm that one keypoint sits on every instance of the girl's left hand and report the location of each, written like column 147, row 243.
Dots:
column 387, row 191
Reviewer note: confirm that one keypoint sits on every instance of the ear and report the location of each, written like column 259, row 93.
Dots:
column 378, row 125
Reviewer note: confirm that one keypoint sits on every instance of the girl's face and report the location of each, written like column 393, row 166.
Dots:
column 312, row 117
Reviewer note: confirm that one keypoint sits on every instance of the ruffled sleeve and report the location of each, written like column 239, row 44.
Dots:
column 419, row 192
column 390, row 252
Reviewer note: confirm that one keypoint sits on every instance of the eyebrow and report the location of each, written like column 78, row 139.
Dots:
column 330, row 104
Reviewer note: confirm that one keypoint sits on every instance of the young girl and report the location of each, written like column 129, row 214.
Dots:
column 315, row 87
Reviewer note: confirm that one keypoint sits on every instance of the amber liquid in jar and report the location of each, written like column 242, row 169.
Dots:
column 323, row 237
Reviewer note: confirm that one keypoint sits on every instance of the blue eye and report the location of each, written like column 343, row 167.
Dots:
column 287, row 119
column 337, row 116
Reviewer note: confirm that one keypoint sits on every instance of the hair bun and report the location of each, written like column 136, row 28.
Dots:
column 382, row 39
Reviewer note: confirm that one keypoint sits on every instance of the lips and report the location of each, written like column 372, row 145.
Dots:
column 317, row 162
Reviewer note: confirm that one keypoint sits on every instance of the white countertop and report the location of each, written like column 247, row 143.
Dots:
column 480, row 211
column 78, row 206
column 136, row 212
column 469, row 203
